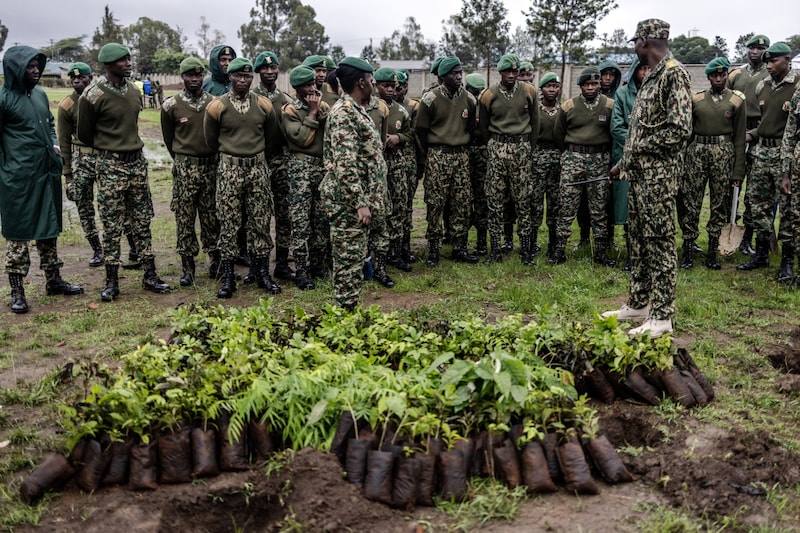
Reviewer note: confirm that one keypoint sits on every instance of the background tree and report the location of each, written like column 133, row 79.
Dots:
column 793, row 42
column 616, row 47
column 109, row 31
column 740, row 48
column 485, row 24
column 456, row 42
column 720, row 46
column 67, row 50
column 406, row 44
column 145, row 37
column 3, row 35
column 695, row 50
column 287, row 27
column 338, row 53
column 567, row 26
column 169, row 62
column 208, row 39
column 369, row 53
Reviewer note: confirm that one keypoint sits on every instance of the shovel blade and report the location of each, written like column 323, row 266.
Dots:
column 730, row 238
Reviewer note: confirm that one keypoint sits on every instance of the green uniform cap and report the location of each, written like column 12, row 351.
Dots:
column 192, row 64
column 475, row 81
column 589, row 74
column 240, row 64
column 448, row 63
column 757, row 40
column 301, row 75
column 265, row 58
column 526, row 66
column 386, row 74
column 718, row 64
column 776, row 50
column 357, row 63
column 329, row 64
column 651, row 29
column 112, row 52
column 78, row 69
column 402, row 76
column 314, row 61
column 549, row 77
column 508, row 62
column 435, row 65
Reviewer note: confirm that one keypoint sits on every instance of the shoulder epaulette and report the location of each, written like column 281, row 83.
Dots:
column 759, row 87
column 672, row 63
column 384, row 107
column 93, row 93
column 698, row 96
column 289, row 107
column 214, row 108
column 530, row 89
column 264, row 103
column 66, row 103
column 169, row 103
column 413, row 104
column 569, row 105
column 609, row 103
column 737, row 98
column 735, row 72
column 428, row 98
column 486, row 96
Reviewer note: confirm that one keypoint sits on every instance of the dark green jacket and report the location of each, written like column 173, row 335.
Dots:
column 30, row 168
column 612, row 93
column 621, row 116
column 218, row 83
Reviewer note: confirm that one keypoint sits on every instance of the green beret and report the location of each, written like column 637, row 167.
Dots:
column 435, row 65
column 549, row 77
column 385, row 74
column 448, row 63
column 402, row 76
column 718, row 64
column 357, row 63
column 757, row 40
column 314, row 61
column 508, row 62
column 78, row 69
column 112, row 52
column 589, row 74
column 651, row 29
column 192, row 64
column 265, row 58
column 475, row 81
column 240, row 64
column 329, row 64
column 776, row 50
column 301, row 75
column 526, row 66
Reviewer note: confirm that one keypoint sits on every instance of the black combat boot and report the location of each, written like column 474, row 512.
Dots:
column 761, row 258
column 302, row 281
column 318, row 271
column 600, row 256
column 745, row 247
column 18, row 303
column 264, row 280
column 508, row 244
column 585, row 234
column 558, row 257
column 282, row 268
column 535, row 248
column 525, row 252
column 243, row 259
column 551, row 240
column 495, row 250
column 406, row 253
column 696, row 248
column 460, row 253
column 228, row 286
column 433, row 253
column 786, row 272
column 134, row 260
column 187, row 262
column 481, row 247
column 711, row 255
column 214, row 267
column 97, row 248
column 111, row 289
column 150, row 280
column 687, row 260
column 380, row 274
column 56, row 285
column 396, row 257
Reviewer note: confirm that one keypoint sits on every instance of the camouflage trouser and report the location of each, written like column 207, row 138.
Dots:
column 244, row 188
column 81, row 189
column 478, row 161
column 18, row 261
column 508, row 174
column 397, row 180
column 546, row 184
column 447, row 185
column 712, row 163
column 580, row 167
column 410, row 156
column 763, row 188
column 310, row 229
column 651, row 236
column 123, row 195
column 194, row 190
column 349, row 248
column 279, row 178
column 794, row 198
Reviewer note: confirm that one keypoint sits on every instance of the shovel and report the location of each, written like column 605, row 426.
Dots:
column 731, row 236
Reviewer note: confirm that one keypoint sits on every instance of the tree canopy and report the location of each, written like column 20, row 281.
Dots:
column 692, row 49
column 146, row 37
column 406, row 44
column 207, row 38
column 3, row 35
column 486, row 28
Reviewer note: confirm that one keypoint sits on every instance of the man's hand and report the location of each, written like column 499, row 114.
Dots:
column 613, row 174
column 364, row 216
column 57, row 149
column 313, row 101
column 392, row 141
column 786, row 183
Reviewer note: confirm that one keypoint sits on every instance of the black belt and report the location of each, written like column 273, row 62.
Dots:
column 244, row 162
column 588, row 149
column 712, row 139
column 753, row 123
column 770, row 142
column 547, row 145
column 312, row 158
column 448, row 148
column 195, row 160
column 516, row 139
column 127, row 157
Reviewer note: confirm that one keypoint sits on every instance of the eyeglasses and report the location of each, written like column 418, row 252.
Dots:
column 241, row 76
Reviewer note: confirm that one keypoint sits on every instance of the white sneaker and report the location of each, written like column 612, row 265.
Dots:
column 629, row 313
column 655, row 328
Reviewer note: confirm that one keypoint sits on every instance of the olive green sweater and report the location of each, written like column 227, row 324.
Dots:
column 239, row 134
column 304, row 135
column 577, row 124
column 182, row 124
column 67, row 122
column 108, row 116
column 278, row 99
column 547, row 125
column 773, row 100
column 446, row 120
column 726, row 117
column 518, row 115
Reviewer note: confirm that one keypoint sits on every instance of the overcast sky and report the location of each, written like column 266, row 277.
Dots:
column 352, row 23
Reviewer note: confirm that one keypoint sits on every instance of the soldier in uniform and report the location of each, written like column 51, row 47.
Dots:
column 790, row 166
column 412, row 157
column 303, row 123
column 445, row 123
column 219, row 59
column 79, row 160
column 525, row 72
column 661, row 124
column 320, row 66
column 241, row 125
column 354, row 188
column 547, row 163
column 267, row 66
column 108, row 114
column 583, row 130
column 478, row 161
column 30, row 176
column 508, row 116
column 763, row 186
column 715, row 156
column 745, row 79
column 194, row 170
column 610, row 80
